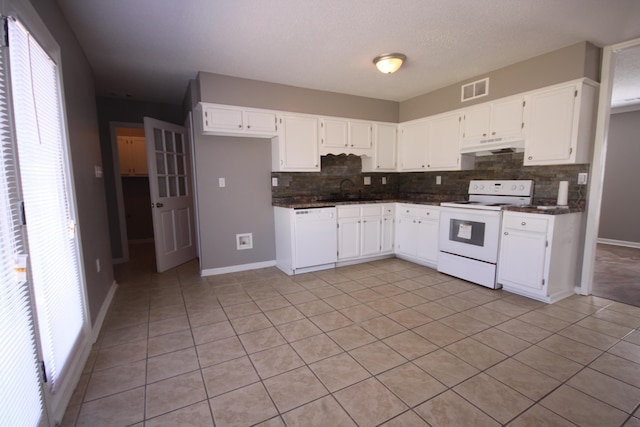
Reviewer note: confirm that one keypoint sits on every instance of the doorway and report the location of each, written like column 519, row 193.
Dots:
column 131, row 185
column 612, row 212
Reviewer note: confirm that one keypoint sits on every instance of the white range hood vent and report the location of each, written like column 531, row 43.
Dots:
column 489, row 146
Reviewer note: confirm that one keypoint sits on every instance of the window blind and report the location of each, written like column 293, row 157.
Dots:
column 20, row 391
column 44, row 177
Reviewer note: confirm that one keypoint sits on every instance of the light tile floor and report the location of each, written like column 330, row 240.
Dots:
column 383, row 343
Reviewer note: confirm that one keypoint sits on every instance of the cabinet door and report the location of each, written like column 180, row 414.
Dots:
column 371, row 237
column 549, row 126
column 506, row 118
column 406, row 232
column 259, row 121
column 360, row 135
column 427, row 240
column 222, row 118
column 387, row 234
column 299, row 143
column 413, row 146
column 443, row 144
column 385, row 146
column 476, row 124
column 521, row 262
column 335, row 133
column 348, row 238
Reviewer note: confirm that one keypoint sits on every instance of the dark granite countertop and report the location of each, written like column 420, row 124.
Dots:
column 307, row 202
column 545, row 210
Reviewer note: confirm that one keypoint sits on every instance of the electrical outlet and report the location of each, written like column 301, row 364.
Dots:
column 438, row 180
column 384, row 180
column 582, row 178
column 98, row 265
column 221, row 182
column 367, row 180
column 274, row 181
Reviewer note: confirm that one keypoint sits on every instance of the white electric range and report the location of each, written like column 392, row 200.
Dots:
column 469, row 235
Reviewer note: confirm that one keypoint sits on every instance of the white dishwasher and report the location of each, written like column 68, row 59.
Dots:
column 316, row 237
column 306, row 239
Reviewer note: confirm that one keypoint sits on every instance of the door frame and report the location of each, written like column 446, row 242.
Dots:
column 594, row 200
column 122, row 220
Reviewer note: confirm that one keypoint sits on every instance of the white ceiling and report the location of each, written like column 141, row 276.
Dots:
column 149, row 49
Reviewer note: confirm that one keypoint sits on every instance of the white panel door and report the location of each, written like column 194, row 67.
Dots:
column 171, row 193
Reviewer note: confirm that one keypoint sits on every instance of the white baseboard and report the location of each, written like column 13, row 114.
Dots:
column 236, row 268
column 619, row 243
column 97, row 326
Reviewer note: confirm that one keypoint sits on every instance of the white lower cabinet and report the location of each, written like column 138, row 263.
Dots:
column 364, row 231
column 539, row 255
column 417, row 233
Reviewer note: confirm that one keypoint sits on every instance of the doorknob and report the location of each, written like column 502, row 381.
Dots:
column 159, row 205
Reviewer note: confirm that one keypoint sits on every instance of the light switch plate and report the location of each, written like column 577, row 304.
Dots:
column 274, row 181
column 221, row 182
column 582, row 178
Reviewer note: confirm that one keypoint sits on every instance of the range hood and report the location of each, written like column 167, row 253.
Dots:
column 489, row 146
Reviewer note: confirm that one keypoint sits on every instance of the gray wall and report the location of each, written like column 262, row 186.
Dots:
column 572, row 62
column 229, row 90
column 128, row 111
column 620, row 202
column 79, row 97
column 242, row 206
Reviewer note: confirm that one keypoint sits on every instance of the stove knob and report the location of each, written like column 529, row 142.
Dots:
column 475, row 186
column 482, row 187
column 513, row 187
column 521, row 187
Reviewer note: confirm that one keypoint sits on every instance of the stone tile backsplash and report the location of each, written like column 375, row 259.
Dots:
column 422, row 185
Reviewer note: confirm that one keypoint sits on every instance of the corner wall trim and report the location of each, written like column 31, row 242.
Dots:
column 619, row 243
column 236, row 268
column 97, row 326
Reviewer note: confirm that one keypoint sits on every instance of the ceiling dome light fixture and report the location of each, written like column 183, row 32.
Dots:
column 388, row 63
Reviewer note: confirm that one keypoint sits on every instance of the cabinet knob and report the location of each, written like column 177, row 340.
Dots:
column 523, row 223
column 240, row 126
column 506, row 233
column 414, row 221
column 248, row 126
column 493, row 133
column 484, row 134
column 530, row 158
column 428, row 213
column 419, row 222
column 346, row 145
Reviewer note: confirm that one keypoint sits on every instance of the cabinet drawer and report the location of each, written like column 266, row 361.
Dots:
column 348, row 212
column 526, row 223
column 428, row 213
column 373, row 210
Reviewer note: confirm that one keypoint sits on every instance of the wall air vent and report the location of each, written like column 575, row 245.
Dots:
column 475, row 90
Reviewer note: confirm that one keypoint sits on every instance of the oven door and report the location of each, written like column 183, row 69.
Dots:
column 470, row 233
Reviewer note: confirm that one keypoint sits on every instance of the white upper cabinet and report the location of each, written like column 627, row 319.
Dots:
column 237, row 121
column 343, row 136
column 360, row 135
column 413, row 145
column 296, row 147
column 443, row 143
column 559, row 124
column 334, row 134
column 385, row 151
column 492, row 124
column 432, row 144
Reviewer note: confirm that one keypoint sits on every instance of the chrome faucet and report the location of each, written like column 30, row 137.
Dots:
column 342, row 185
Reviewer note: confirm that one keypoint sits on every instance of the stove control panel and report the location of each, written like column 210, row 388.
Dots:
column 518, row 187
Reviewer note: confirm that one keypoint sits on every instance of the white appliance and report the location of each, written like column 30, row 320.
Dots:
column 306, row 239
column 469, row 232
